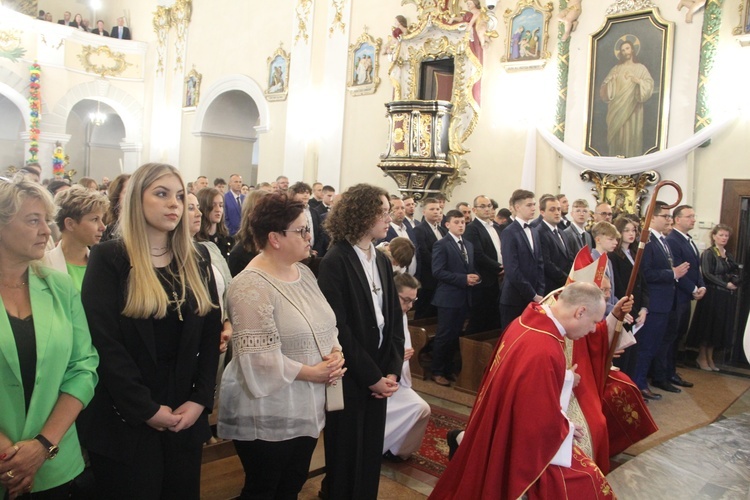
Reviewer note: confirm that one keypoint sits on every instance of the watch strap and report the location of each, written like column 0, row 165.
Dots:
column 51, row 448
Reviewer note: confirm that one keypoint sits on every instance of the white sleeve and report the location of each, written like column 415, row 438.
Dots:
column 564, row 455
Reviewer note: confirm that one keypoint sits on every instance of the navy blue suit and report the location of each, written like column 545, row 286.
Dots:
column 452, row 298
column 232, row 211
column 682, row 251
column 524, row 271
column 557, row 260
column 425, row 240
column 657, row 271
column 485, row 300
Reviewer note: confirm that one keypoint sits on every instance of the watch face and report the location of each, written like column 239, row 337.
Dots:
column 53, row 452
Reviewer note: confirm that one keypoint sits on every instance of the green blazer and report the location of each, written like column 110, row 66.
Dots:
column 66, row 362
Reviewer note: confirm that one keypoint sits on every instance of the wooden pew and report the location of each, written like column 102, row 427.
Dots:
column 476, row 352
column 421, row 331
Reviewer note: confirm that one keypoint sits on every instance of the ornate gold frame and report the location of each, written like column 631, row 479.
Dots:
column 367, row 87
column 744, row 11
column 544, row 55
column 630, row 189
column 198, row 77
column 282, row 94
column 120, row 64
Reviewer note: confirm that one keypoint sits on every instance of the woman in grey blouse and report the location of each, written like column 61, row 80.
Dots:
column 273, row 391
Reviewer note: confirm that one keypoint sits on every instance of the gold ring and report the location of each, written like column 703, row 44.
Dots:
column 10, row 474
column 15, row 447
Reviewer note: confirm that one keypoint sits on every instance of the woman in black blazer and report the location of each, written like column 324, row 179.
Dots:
column 151, row 302
column 622, row 265
column 357, row 281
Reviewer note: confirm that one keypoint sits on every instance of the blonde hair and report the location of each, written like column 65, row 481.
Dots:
column 145, row 296
column 605, row 228
column 77, row 202
column 13, row 194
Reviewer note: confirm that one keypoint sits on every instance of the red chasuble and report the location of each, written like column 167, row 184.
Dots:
column 517, row 426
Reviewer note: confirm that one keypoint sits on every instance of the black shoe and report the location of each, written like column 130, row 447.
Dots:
column 393, row 458
column 677, row 380
column 647, row 394
column 666, row 386
column 452, row 437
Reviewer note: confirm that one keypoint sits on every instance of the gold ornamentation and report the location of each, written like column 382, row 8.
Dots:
column 338, row 17
column 102, row 61
column 625, row 193
column 628, row 410
column 52, row 45
column 10, row 44
column 743, row 10
column 621, row 6
column 278, row 75
column 180, row 15
column 162, row 21
column 401, row 180
column 541, row 54
column 364, row 65
column 302, row 11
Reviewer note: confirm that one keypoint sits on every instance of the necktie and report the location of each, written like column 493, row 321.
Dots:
column 692, row 244
column 583, row 239
column 239, row 203
column 463, row 251
column 557, row 233
column 666, row 249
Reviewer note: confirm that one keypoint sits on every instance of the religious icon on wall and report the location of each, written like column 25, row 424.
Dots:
column 744, row 27
column 364, row 65
column 630, row 69
column 528, row 31
column 192, row 89
column 278, row 75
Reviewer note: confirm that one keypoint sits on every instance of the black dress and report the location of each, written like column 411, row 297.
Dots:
column 714, row 314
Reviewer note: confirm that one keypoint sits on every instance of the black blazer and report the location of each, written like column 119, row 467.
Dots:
column 115, row 420
column 344, row 284
column 113, row 33
column 622, row 268
column 486, row 259
column 556, row 257
column 682, row 251
column 450, row 270
column 524, row 268
column 425, row 240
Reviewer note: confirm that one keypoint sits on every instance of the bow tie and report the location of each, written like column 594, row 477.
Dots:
column 526, row 225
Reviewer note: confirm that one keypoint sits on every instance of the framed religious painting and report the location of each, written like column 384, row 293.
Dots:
column 192, row 89
column 527, row 35
column 364, row 65
column 278, row 75
column 630, row 68
column 743, row 29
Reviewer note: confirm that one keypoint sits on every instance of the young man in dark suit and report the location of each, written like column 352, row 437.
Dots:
column 660, row 275
column 319, row 244
column 522, row 260
column 453, row 268
column 427, row 233
column 484, row 235
column 576, row 232
column 556, row 256
column 399, row 228
column 689, row 288
column 120, row 31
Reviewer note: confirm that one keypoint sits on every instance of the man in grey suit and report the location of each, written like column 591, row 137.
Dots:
column 576, row 236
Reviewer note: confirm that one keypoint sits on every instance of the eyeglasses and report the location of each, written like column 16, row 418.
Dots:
column 605, row 214
column 666, row 216
column 483, row 207
column 407, row 300
column 385, row 215
column 303, row 231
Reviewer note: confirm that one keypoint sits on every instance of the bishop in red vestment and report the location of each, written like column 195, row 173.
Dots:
column 517, row 427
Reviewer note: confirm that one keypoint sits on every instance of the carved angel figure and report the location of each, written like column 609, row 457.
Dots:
column 569, row 18
column 693, row 6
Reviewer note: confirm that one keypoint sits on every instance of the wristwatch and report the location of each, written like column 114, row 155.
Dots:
column 52, row 449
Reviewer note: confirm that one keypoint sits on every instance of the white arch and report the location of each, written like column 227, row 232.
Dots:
column 12, row 86
column 234, row 82
column 126, row 106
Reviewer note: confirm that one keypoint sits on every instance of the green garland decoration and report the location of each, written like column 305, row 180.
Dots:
column 709, row 44
column 563, row 66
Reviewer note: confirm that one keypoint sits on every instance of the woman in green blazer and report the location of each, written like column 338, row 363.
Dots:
column 47, row 363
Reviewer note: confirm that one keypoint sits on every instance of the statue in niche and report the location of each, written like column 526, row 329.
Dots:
column 693, row 6
column 569, row 18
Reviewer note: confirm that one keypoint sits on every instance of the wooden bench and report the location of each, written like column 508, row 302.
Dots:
column 476, row 353
column 421, row 331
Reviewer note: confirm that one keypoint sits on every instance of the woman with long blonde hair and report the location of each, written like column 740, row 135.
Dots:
column 150, row 299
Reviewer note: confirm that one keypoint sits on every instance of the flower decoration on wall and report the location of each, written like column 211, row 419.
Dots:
column 35, row 110
column 58, row 161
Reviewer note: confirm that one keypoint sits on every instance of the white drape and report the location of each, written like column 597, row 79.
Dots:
column 528, row 175
column 619, row 166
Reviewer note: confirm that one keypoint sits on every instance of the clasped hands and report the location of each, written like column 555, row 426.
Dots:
column 19, row 464
column 385, row 387
column 176, row 420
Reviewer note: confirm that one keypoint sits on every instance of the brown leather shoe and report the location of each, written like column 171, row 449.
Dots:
column 440, row 380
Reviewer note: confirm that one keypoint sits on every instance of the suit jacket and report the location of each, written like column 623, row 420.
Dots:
column 313, row 203
column 321, row 237
column 682, row 251
column 114, row 33
column 524, row 267
column 659, row 276
column 115, row 421
column 572, row 235
column 100, row 33
column 344, row 284
column 425, row 240
column 536, row 221
column 232, row 212
column 66, row 362
column 450, row 270
column 486, row 259
column 322, row 209
column 622, row 268
column 557, row 260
